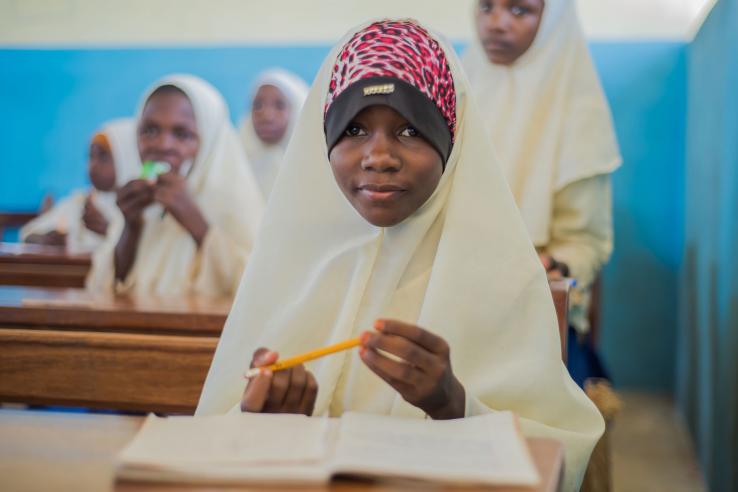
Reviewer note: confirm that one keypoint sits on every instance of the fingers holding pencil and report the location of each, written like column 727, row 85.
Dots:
column 292, row 390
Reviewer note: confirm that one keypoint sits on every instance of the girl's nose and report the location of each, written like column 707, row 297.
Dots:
column 379, row 155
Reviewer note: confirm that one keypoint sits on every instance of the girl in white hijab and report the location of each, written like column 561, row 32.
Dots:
column 191, row 229
column 276, row 101
column 82, row 220
column 390, row 212
column 539, row 94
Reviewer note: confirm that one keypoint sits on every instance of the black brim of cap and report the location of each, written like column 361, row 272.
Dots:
column 404, row 98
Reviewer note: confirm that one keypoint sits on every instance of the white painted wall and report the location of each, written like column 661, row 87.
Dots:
column 147, row 22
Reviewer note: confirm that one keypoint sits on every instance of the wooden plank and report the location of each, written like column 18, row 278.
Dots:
column 81, row 310
column 76, row 452
column 560, row 291
column 104, row 370
column 42, row 266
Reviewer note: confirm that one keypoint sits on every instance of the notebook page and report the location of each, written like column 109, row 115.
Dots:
column 485, row 449
column 240, row 438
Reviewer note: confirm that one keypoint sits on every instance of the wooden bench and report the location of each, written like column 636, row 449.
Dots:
column 68, row 347
column 42, row 266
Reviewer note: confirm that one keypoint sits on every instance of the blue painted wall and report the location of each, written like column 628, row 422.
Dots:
column 708, row 338
column 52, row 100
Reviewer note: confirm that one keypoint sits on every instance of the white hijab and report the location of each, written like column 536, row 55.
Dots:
column 547, row 114
column 66, row 216
column 462, row 266
column 265, row 159
column 168, row 261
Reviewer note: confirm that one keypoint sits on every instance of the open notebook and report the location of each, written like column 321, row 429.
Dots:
column 294, row 449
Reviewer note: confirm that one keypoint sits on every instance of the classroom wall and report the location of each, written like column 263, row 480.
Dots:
column 146, row 22
column 708, row 336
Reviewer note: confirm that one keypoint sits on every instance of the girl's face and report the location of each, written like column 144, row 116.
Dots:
column 100, row 166
column 384, row 167
column 270, row 114
column 168, row 130
column 507, row 28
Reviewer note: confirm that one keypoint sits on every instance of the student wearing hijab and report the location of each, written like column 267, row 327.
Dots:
column 390, row 212
column 538, row 91
column 191, row 229
column 277, row 99
column 81, row 221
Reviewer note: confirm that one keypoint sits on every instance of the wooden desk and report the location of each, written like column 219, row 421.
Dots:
column 75, row 452
column 560, row 291
column 14, row 220
column 41, row 266
column 68, row 347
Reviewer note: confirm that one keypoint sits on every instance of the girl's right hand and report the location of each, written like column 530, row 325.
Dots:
column 133, row 198
column 291, row 390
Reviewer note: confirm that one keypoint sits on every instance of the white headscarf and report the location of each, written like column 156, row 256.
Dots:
column 264, row 159
column 462, row 266
column 549, row 119
column 66, row 216
column 168, row 261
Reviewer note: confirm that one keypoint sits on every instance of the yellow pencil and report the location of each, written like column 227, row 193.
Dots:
column 299, row 359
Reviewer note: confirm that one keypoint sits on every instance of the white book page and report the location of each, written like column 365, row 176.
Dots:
column 485, row 449
column 243, row 439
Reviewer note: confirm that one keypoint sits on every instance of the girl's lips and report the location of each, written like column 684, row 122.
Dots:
column 380, row 193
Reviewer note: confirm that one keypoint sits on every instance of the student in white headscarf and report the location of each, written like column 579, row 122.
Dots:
column 191, row 229
column 391, row 212
column 276, row 101
column 81, row 221
column 533, row 79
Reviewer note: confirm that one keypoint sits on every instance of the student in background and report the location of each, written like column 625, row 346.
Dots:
column 391, row 212
column 533, row 79
column 83, row 220
column 191, row 229
column 276, row 101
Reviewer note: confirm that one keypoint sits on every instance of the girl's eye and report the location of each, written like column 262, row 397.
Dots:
column 409, row 131
column 485, row 7
column 149, row 131
column 354, row 130
column 182, row 134
column 518, row 11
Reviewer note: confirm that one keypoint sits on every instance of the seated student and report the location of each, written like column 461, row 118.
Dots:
column 276, row 103
column 191, row 229
column 391, row 213
column 538, row 91
column 81, row 221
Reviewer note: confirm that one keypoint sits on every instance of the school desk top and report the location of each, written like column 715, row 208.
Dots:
column 45, row 266
column 82, row 310
column 70, row 347
column 65, row 452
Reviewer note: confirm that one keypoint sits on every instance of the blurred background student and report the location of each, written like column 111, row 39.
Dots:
column 191, row 229
column 276, row 101
column 548, row 118
column 82, row 220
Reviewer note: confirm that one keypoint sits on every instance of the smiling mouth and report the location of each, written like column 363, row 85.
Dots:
column 496, row 46
column 380, row 193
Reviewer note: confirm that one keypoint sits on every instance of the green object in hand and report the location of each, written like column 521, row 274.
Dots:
column 152, row 169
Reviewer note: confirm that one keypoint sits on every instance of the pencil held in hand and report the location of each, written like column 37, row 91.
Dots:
column 308, row 356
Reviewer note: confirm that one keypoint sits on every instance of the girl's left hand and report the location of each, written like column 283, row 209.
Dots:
column 423, row 376
column 93, row 219
column 171, row 191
